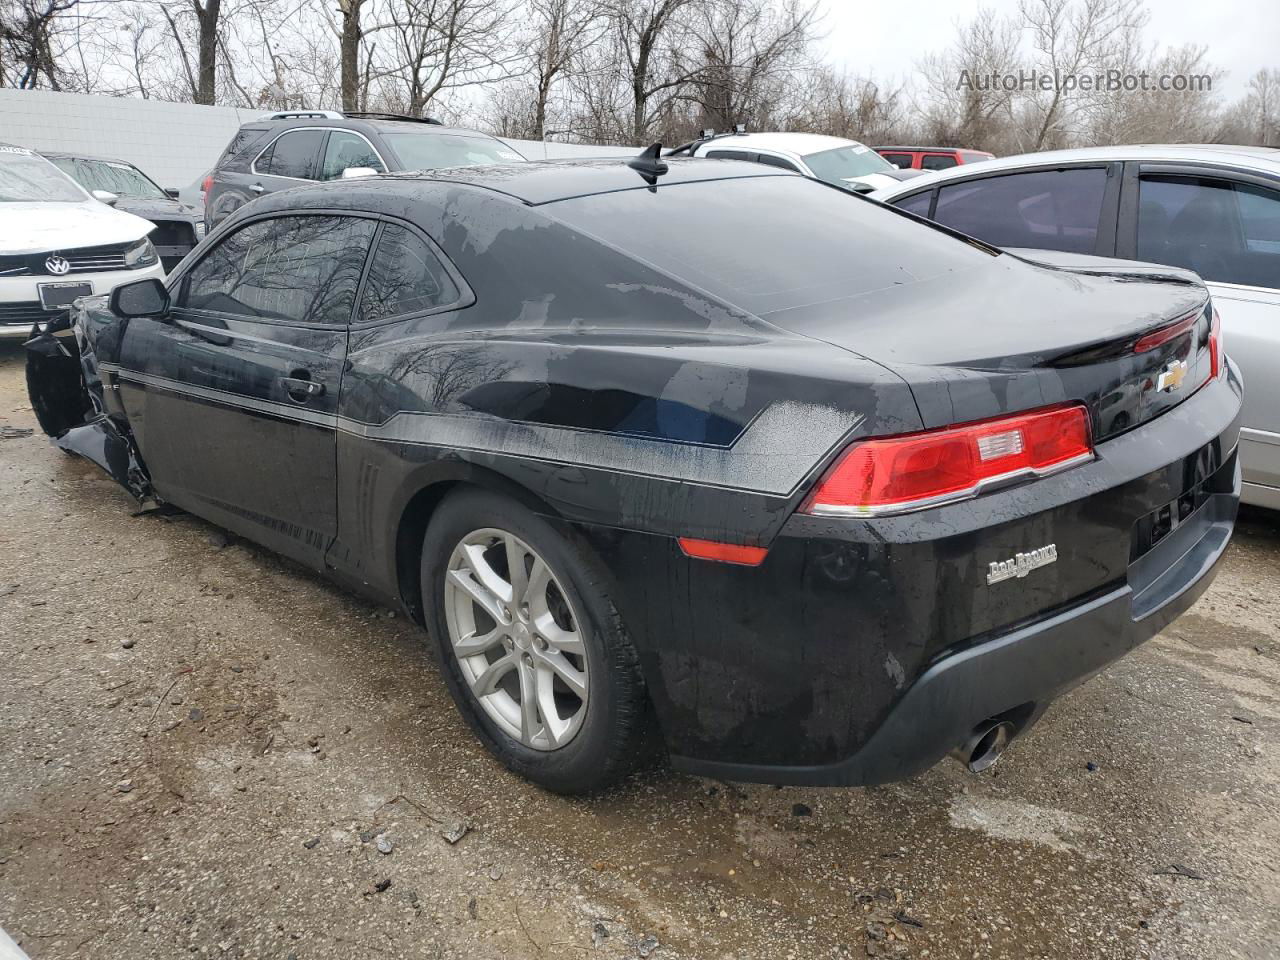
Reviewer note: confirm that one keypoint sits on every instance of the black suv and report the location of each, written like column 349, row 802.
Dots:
column 283, row 150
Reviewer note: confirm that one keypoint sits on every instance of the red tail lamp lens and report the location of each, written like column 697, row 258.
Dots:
column 898, row 474
column 723, row 552
column 207, row 185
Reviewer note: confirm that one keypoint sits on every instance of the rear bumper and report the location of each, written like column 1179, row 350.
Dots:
column 1020, row 672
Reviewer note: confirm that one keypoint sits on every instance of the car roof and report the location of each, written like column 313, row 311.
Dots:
column 913, row 149
column 797, row 143
column 1266, row 159
column 362, row 125
column 546, row 181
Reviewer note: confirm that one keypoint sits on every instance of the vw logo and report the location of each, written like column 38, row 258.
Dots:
column 57, row 265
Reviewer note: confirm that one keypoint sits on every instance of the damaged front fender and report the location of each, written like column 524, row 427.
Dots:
column 67, row 395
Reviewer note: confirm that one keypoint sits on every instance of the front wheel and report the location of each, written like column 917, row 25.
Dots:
column 533, row 651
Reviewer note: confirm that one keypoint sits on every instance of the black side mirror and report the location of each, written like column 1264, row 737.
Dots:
column 142, row 298
column 171, row 193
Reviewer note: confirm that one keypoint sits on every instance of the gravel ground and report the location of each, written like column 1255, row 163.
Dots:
column 205, row 750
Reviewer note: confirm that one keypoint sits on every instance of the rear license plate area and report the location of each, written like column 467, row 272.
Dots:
column 54, row 296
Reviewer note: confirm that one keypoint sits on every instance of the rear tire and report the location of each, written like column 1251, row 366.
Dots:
column 533, row 651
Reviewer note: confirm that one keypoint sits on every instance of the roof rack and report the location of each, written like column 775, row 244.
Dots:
column 378, row 115
column 304, row 115
column 739, row 129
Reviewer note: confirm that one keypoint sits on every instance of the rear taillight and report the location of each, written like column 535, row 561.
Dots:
column 207, row 185
column 1166, row 333
column 1215, row 346
column 911, row 472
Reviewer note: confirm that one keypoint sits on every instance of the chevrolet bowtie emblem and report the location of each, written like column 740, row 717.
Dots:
column 1171, row 376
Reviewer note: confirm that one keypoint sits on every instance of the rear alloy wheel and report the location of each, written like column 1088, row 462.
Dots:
column 533, row 650
column 516, row 639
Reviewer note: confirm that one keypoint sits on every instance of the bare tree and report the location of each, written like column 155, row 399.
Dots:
column 752, row 53
column 1073, row 38
column 561, row 29
column 967, row 104
column 27, row 41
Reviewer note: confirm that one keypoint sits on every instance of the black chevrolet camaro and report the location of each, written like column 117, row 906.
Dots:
column 712, row 456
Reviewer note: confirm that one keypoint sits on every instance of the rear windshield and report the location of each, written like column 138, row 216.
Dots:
column 769, row 243
column 25, row 176
column 427, row 151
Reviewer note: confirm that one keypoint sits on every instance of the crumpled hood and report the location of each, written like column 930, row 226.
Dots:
column 40, row 227
column 153, row 207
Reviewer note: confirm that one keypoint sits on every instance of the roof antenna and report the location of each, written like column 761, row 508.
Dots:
column 649, row 163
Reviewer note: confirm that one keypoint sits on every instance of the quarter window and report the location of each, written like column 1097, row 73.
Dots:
column 296, row 269
column 900, row 160
column 405, row 277
column 1228, row 232
column 771, row 161
column 730, row 155
column 917, row 204
column 292, row 155
column 937, row 161
column 345, row 150
column 1043, row 209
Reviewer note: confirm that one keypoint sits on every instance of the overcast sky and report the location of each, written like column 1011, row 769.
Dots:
column 887, row 37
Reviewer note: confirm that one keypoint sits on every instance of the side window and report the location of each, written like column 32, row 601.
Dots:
column 301, row 269
column 937, row 161
column 900, row 160
column 917, row 203
column 729, row 155
column 405, row 277
column 1044, row 209
column 345, row 150
column 292, row 155
column 771, row 161
column 1228, row 232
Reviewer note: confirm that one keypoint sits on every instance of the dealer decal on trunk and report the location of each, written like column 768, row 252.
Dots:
column 1021, row 564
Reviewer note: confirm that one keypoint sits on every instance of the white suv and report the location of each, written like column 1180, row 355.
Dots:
column 845, row 163
column 58, row 242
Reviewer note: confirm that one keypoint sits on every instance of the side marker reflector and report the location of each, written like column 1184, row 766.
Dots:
column 723, row 552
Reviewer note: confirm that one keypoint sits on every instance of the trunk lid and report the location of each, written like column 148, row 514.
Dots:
column 1016, row 334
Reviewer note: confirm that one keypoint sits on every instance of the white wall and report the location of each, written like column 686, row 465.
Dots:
column 174, row 143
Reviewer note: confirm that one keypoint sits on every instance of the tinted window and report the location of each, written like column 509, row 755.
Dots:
column 346, row 150
column 298, row 269
column 730, row 155
column 769, row 243
column 937, row 161
column 900, row 160
column 1229, row 232
column 777, row 162
column 404, row 277
column 292, row 155
column 917, row 204
column 425, row 151
column 1045, row 209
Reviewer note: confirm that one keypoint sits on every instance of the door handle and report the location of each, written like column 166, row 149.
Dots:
column 256, row 187
column 301, row 387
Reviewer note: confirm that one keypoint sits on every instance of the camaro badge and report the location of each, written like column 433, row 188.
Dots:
column 1021, row 564
column 1170, row 378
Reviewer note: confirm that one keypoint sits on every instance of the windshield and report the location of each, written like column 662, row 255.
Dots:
column 835, row 166
column 770, row 243
column 425, row 151
column 24, row 176
column 119, row 178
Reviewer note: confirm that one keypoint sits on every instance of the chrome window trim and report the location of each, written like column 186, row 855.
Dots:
column 253, row 167
column 955, row 496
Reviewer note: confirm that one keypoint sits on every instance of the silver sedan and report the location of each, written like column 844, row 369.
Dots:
column 1213, row 209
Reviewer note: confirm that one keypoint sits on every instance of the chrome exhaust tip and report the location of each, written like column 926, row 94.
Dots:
column 982, row 748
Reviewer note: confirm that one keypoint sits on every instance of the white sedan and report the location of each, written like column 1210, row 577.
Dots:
column 845, row 163
column 58, row 242
column 1211, row 208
